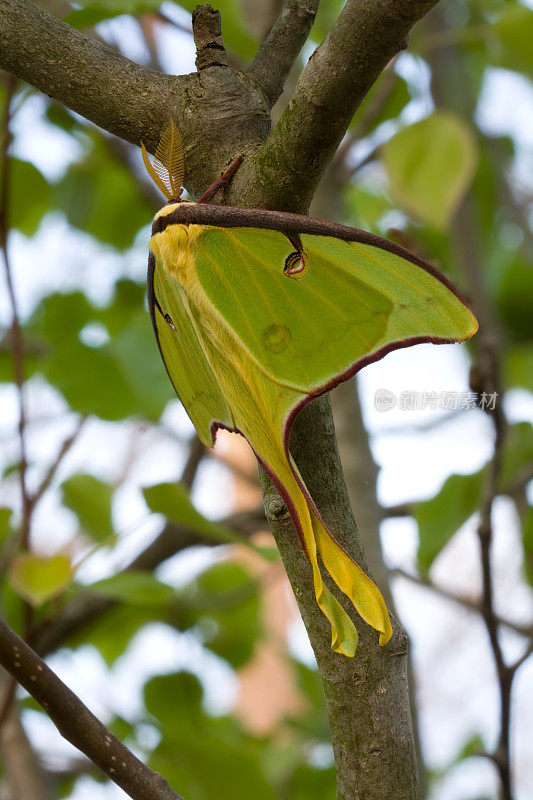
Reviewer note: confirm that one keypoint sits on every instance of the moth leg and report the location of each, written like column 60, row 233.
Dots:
column 221, row 182
column 296, row 263
column 168, row 319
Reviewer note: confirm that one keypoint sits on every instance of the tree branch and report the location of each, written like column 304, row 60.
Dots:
column 280, row 50
column 89, row 77
column 337, row 77
column 77, row 724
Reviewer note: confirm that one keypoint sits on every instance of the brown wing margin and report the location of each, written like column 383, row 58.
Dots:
column 290, row 224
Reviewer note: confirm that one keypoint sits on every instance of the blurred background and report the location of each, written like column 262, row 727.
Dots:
column 135, row 575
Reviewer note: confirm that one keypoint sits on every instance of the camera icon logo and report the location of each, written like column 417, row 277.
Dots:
column 384, row 400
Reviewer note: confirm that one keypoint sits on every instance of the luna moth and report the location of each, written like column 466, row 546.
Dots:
column 257, row 312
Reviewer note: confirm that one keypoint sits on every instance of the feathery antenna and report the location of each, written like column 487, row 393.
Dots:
column 168, row 168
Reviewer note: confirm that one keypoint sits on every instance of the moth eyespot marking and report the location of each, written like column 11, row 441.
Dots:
column 432, row 301
column 296, row 265
column 276, row 338
column 403, row 306
column 170, row 323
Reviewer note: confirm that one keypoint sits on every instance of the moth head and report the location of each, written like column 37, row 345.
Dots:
column 168, row 167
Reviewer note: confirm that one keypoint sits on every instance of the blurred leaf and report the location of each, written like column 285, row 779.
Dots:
column 112, row 632
column 518, row 367
column 101, row 196
column 203, row 757
column 325, row 18
column 365, row 208
column 514, row 31
column 234, row 32
column 439, row 518
column 309, row 783
column 472, row 747
column 94, row 11
column 5, row 519
column 60, row 317
column 517, row 454
column 172, row 500
column 165, row 694
column 135, row 587
column 384, row 101
column 39, row 578
column 515, row 300
column 90, row 382
column 121, row 377
column 137, row 358
column 224, row 604
column 90, row 499
column 61, row 116
column 29, row 196
column 430, row 166
column 126, row 304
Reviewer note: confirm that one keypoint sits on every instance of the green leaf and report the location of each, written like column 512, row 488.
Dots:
column 167, row 695
column 102, row 197
column 134, row 351
column 439, row 518
column 94, row 11
column 395, row 100
column 5, row 519
column 135, row 587
column 90, row 382
column 224, row 606
column 518, row 367
column 204, row 757
column 40, row 578
column 172, row 500
column 90, row 499
column 60, row 317
column 127, row 304
column 234, row 30
column 228, row 607
column 517, row 454
column 365, row 206
column 514, row 32
column 112, row 632
column 430, row 166
column 309, row 783
column 515, row 300
column 29, row 196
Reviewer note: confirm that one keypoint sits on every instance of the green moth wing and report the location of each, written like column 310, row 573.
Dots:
column 356, row 300
column 190, row 373
column 250, row 330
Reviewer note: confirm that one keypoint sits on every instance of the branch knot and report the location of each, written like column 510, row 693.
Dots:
column 207, row 33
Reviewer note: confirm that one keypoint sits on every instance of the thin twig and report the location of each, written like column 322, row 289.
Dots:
column 77, row 724
column 523, row 658
column 467, row 603
column 197, row 451
column 485, row 536
column 48, row 478
column 16, row 334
